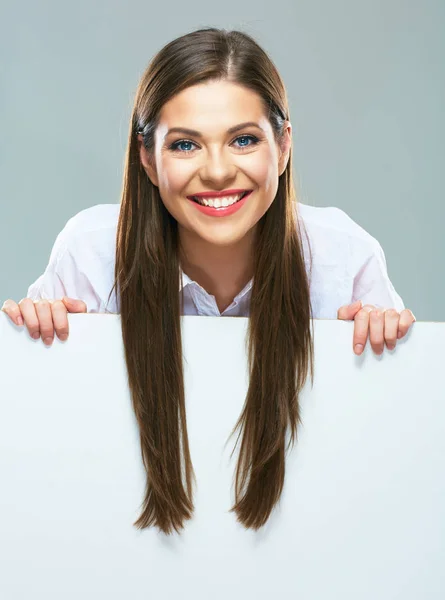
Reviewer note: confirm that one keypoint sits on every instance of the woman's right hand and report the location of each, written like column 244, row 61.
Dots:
column 43, row 317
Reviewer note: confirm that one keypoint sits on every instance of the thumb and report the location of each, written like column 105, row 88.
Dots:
column 74, row 306
column 348, row 312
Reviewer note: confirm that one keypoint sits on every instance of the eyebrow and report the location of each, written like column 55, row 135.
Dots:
column 198, row 134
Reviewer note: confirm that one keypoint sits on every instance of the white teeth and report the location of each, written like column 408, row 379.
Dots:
column 218, row 202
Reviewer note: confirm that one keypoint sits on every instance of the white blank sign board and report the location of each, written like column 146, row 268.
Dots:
column 362, row 515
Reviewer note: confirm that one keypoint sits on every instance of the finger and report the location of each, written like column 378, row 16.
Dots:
column 361, row 326
column 348, row 311
column 30, row 318
column 44, row 314
column 391, row 327
column 74, row 306
column 60, row 319
column 376, row 330
column 13, row 311
column 406, row 320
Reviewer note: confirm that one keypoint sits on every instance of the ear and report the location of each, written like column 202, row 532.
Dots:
column 285, row 146
column 147, row 161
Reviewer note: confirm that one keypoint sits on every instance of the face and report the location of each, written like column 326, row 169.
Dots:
column 214, row 159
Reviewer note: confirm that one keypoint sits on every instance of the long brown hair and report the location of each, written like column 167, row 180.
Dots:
column 147, row 275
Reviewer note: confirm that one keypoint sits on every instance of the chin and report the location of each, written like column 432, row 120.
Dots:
column 223, row 240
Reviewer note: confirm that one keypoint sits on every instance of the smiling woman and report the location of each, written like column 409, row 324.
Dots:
column 209, row 210
column 228, row 166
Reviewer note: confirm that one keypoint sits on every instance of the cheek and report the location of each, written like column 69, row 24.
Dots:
column 174, row 175
column 265, row 175
column 263, row 170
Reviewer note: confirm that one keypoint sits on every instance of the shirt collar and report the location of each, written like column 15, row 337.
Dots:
column 185, row 280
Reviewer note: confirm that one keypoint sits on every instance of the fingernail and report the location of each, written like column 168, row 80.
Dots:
column 48, row 341
column 399, row 335
column 63, row 337
column 35, row 335
column 358, row 348
column 19, row 321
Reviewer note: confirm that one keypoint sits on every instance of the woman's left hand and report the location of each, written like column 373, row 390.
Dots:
column 384, row 326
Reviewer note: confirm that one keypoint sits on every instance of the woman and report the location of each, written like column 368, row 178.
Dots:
column 208, row 208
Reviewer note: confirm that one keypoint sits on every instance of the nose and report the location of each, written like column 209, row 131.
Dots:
column 218, row 168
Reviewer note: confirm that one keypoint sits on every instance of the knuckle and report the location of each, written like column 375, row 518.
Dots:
column 7, row 304
column 11, row 309
column 25, row 302
column 368, row 307
column 392, row 313
column 362, row 315
column 405, row 324
column 58, row 305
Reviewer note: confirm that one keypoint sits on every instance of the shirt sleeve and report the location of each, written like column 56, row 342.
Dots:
column 64, row 276
column 372, row 284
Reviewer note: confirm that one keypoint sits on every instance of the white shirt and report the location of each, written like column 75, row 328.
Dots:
column 348, row 265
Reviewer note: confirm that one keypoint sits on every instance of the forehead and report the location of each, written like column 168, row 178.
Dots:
column 212, row 106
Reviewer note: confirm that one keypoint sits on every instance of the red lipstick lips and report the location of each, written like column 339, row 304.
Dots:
column 217, row 194
column 222, row 211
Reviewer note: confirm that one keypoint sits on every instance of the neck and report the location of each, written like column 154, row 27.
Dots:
column 223, row 271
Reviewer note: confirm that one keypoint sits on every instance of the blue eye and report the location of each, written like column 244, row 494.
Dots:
column 251, row 138
column 179, row 145
column 176, row 145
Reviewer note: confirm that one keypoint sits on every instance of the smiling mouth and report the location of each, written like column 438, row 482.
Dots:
column 221, row 202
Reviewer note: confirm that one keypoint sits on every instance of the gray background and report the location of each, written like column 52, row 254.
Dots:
column 366, row 88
